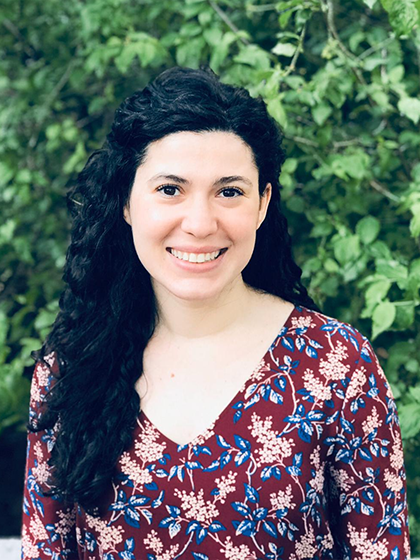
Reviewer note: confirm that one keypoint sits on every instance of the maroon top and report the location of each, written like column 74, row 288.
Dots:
column 305, row 462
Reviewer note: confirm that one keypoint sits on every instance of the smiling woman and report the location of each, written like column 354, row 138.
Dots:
column 191, row 400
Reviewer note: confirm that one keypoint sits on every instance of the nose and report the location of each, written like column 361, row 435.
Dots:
column 199, row 217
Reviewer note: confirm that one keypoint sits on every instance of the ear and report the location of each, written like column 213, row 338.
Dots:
column 127, row 216
column 264, row 202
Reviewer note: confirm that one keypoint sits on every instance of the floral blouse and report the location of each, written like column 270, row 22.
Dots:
column 305, row 462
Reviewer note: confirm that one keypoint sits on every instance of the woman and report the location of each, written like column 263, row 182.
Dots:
column 191, row 400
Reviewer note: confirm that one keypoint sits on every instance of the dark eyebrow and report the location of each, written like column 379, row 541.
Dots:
column 233, row 179
column 221, row 181
column 173, row 178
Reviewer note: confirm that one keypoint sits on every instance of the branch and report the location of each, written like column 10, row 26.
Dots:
column 379, row 128
column 375, row 48
column 302, row 140
column 418, row 49
column 29, row 50
column 266, row 8
column 383, row 190
column 333, row 30
column 228, row 22
column 298, row 50
column 50, row 99
column 344, row 143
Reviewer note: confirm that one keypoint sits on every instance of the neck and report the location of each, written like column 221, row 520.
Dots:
column 183, row 319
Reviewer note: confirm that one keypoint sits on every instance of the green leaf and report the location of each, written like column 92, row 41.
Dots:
column 4, row 327
column 45, row 318
column 396, row 74
column 220, row 51
column 253, row 56
column 370, row 3
column 393, row 270
column 125, row 58
column 367, row 229
column 284, row 49
column 286, row 181
column 403, row 15
column 76, row 161
column 7, row 230
column 310, row 266
column 290, row 165
column 205, row 17
column 404, row 317
column 284, row 16
column 321, row 113
column 415, row 268
column 380, row 250
column 28, row 346
column 409, row 415
column 355, row 165
column 188, row 54
column 415, row 220
column 410, row 108
column 321, row 229
column 331, row 266
column 276, row 110
column 386, row 4
column 330, row 286
column 353, row 270
column 415, row 393
column 375, row 294
column 296, row 204
column 346, row 249
column 6, row 173
column 213, row 36
column 382, row 318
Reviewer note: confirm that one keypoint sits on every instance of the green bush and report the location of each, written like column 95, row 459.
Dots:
column 341, row 78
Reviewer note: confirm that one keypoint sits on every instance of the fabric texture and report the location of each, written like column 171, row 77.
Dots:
column 305, row 462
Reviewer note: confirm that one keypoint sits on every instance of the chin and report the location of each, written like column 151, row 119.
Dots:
column 196, row 295
column 192, row 291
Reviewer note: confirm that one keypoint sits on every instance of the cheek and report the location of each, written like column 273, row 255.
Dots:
column 150, row 222
column 243, row 225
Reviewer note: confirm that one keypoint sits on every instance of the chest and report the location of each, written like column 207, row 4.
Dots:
column 242, row 475
column 185, row 387
column 184, row 393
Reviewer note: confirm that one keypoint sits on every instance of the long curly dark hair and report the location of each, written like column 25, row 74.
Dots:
column 108, row 310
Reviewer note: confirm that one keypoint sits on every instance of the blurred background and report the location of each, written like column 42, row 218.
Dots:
column 341, row 78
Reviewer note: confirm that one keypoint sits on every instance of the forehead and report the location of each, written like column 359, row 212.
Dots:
column 200, row 152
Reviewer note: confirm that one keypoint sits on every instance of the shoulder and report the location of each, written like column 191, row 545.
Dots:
column 329, row 352
column 330, row 362
column 313, row 331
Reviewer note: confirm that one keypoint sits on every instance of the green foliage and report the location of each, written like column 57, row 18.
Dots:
column 13, row 389
column 340, row 77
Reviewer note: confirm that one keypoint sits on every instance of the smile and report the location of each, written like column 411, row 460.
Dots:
column 196, row 257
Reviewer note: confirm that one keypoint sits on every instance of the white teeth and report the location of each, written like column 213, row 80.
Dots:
column 194, row 257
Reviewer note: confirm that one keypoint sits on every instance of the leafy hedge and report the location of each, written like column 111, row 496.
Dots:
column 341, row 78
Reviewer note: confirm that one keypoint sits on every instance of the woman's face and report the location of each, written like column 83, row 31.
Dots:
column 194, row 195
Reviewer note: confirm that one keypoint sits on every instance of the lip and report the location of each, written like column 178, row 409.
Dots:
column 197, row 251
column 197, row 267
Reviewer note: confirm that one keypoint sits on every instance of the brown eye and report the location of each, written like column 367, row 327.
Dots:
column 232, row 193
column 168, row 190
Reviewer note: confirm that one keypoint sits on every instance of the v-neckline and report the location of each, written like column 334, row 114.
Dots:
column 203, row 435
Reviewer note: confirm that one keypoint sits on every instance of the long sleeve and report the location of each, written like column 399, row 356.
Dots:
column 367, row 468
column 48, row 527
